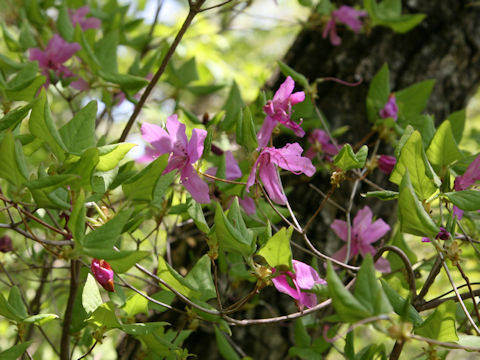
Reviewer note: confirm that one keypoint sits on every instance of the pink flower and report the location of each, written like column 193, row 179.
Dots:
column 304, row 278
column 248, row 204
column 279, row 110
column 182, row 153
column 103, row 273
column 232, row 170
column 320, row 143
column 79, row 17
column 52, row 58
column 443, row 234
column 346, row 15
column 288, row 158
column 363, row 234
column 386, row 163
column 390, row 110
column 463, row 182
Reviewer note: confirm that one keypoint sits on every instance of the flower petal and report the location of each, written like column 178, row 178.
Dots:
column 306, row 276
column 195, row 146
column 271, row 181
column 284, row 91
column 281, row 284
column 194, row 184
column 374, row 231
column 341, row 229
column 158, row 137
column 265, row 132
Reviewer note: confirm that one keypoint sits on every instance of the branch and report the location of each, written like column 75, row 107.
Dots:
column 67, row 319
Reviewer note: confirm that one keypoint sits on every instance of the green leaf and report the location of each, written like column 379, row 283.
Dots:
column 425, row 125
column 367, row 290
column 175, row 280
column 347, row 307
column 28, row 93
column 412, row 157
column 195, row 211
column 40, row 319
column 412, row 215
column 382, row 195
column 302, row 338
column 42, row 126
column 233, row 236
column 200, row 278
column 232, row 107
column 16, row 303
column 7, row 310
column 184, row 75
column 443, row 149
column 225, row 349
column 246, row 135
column 12, row 161
column 277, row 250
column 84, row 168
column 14, row 117
column 76, row 223
column 457, row 121
column 128, row 259
column 86, row 53
column 379, row 89
column 141, row 186
column 91, row 298
column 441, row 324
column 64, row 25
column 107, row 235
column 111, row 155
column 468, row 200
column 26, row 38
column 143, row 328
column 296, row 76
column 398, row 304
column 106, row 51
column 136, row 304
column 467, row 340
column 412, row 100
column 79, row 133
column 49, row 183
column 15, row 351
column 24, row 77
column 105, row 315
column 346, row 159
column 126, row 81
column 389, row 13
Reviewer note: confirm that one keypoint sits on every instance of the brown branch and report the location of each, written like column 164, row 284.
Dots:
column 67, row 318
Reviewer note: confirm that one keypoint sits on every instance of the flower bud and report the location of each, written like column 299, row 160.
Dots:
column 103, row 273
column 5, row 244
column 390, row 110
column 386, row 163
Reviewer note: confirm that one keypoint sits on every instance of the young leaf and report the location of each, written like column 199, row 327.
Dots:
column 398, row 304
column 246, row 130
column 195, row 211
column 91, row 298
column 296, row 76
column 347, row 307
column 175, row 280
column 232, row 107
column 411, row 213
column 277, row 250
column 346, row 159
column 64, row 25
column 441, row 324
column 468, row 200
column 379, row 89
column 111, row 155
column 224, row 347
column 443, row 149
column 367, row 290
column 79, row 133
column 200, row 278
column 457, row 121
column 15, row 351
column 412, row 100
column 12, row 162
column 126, row 259
column 412, row 157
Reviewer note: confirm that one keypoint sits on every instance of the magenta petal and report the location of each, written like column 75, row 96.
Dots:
column 375, row 231
column 251, row 177
column 176, row 130
column 363, row 219
column 297, row 97
column 341, row 229
column 158, row 137
column 341, row 254
column 175, row 162
column 289, row 158
column 265, row 132
column 281, row 284
column 382, row 265
column 271, row 182
column 195, row 146
column 308, row 300
column 306, row 276
column 284, row 91
column 232, row 170
column 248, row 205
column 195, row 185
column 457, row 212
column 149, row 155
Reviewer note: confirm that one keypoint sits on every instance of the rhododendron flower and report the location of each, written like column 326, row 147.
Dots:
column 79, row 17
column 103, row 273
column 390, row 110
column 279, row 110
column 52, row 58
column 183, row 153
column 463, row 182
column 304, row 278
column 386, row 163
column 320, row 143
column 363, row 234
column 346, row 15
column 248, row 204
column 288, row 158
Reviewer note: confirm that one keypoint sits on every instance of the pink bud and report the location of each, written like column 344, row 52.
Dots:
column 390, row 110
column 103, row 273
column 386, row 163
column 5, row 244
